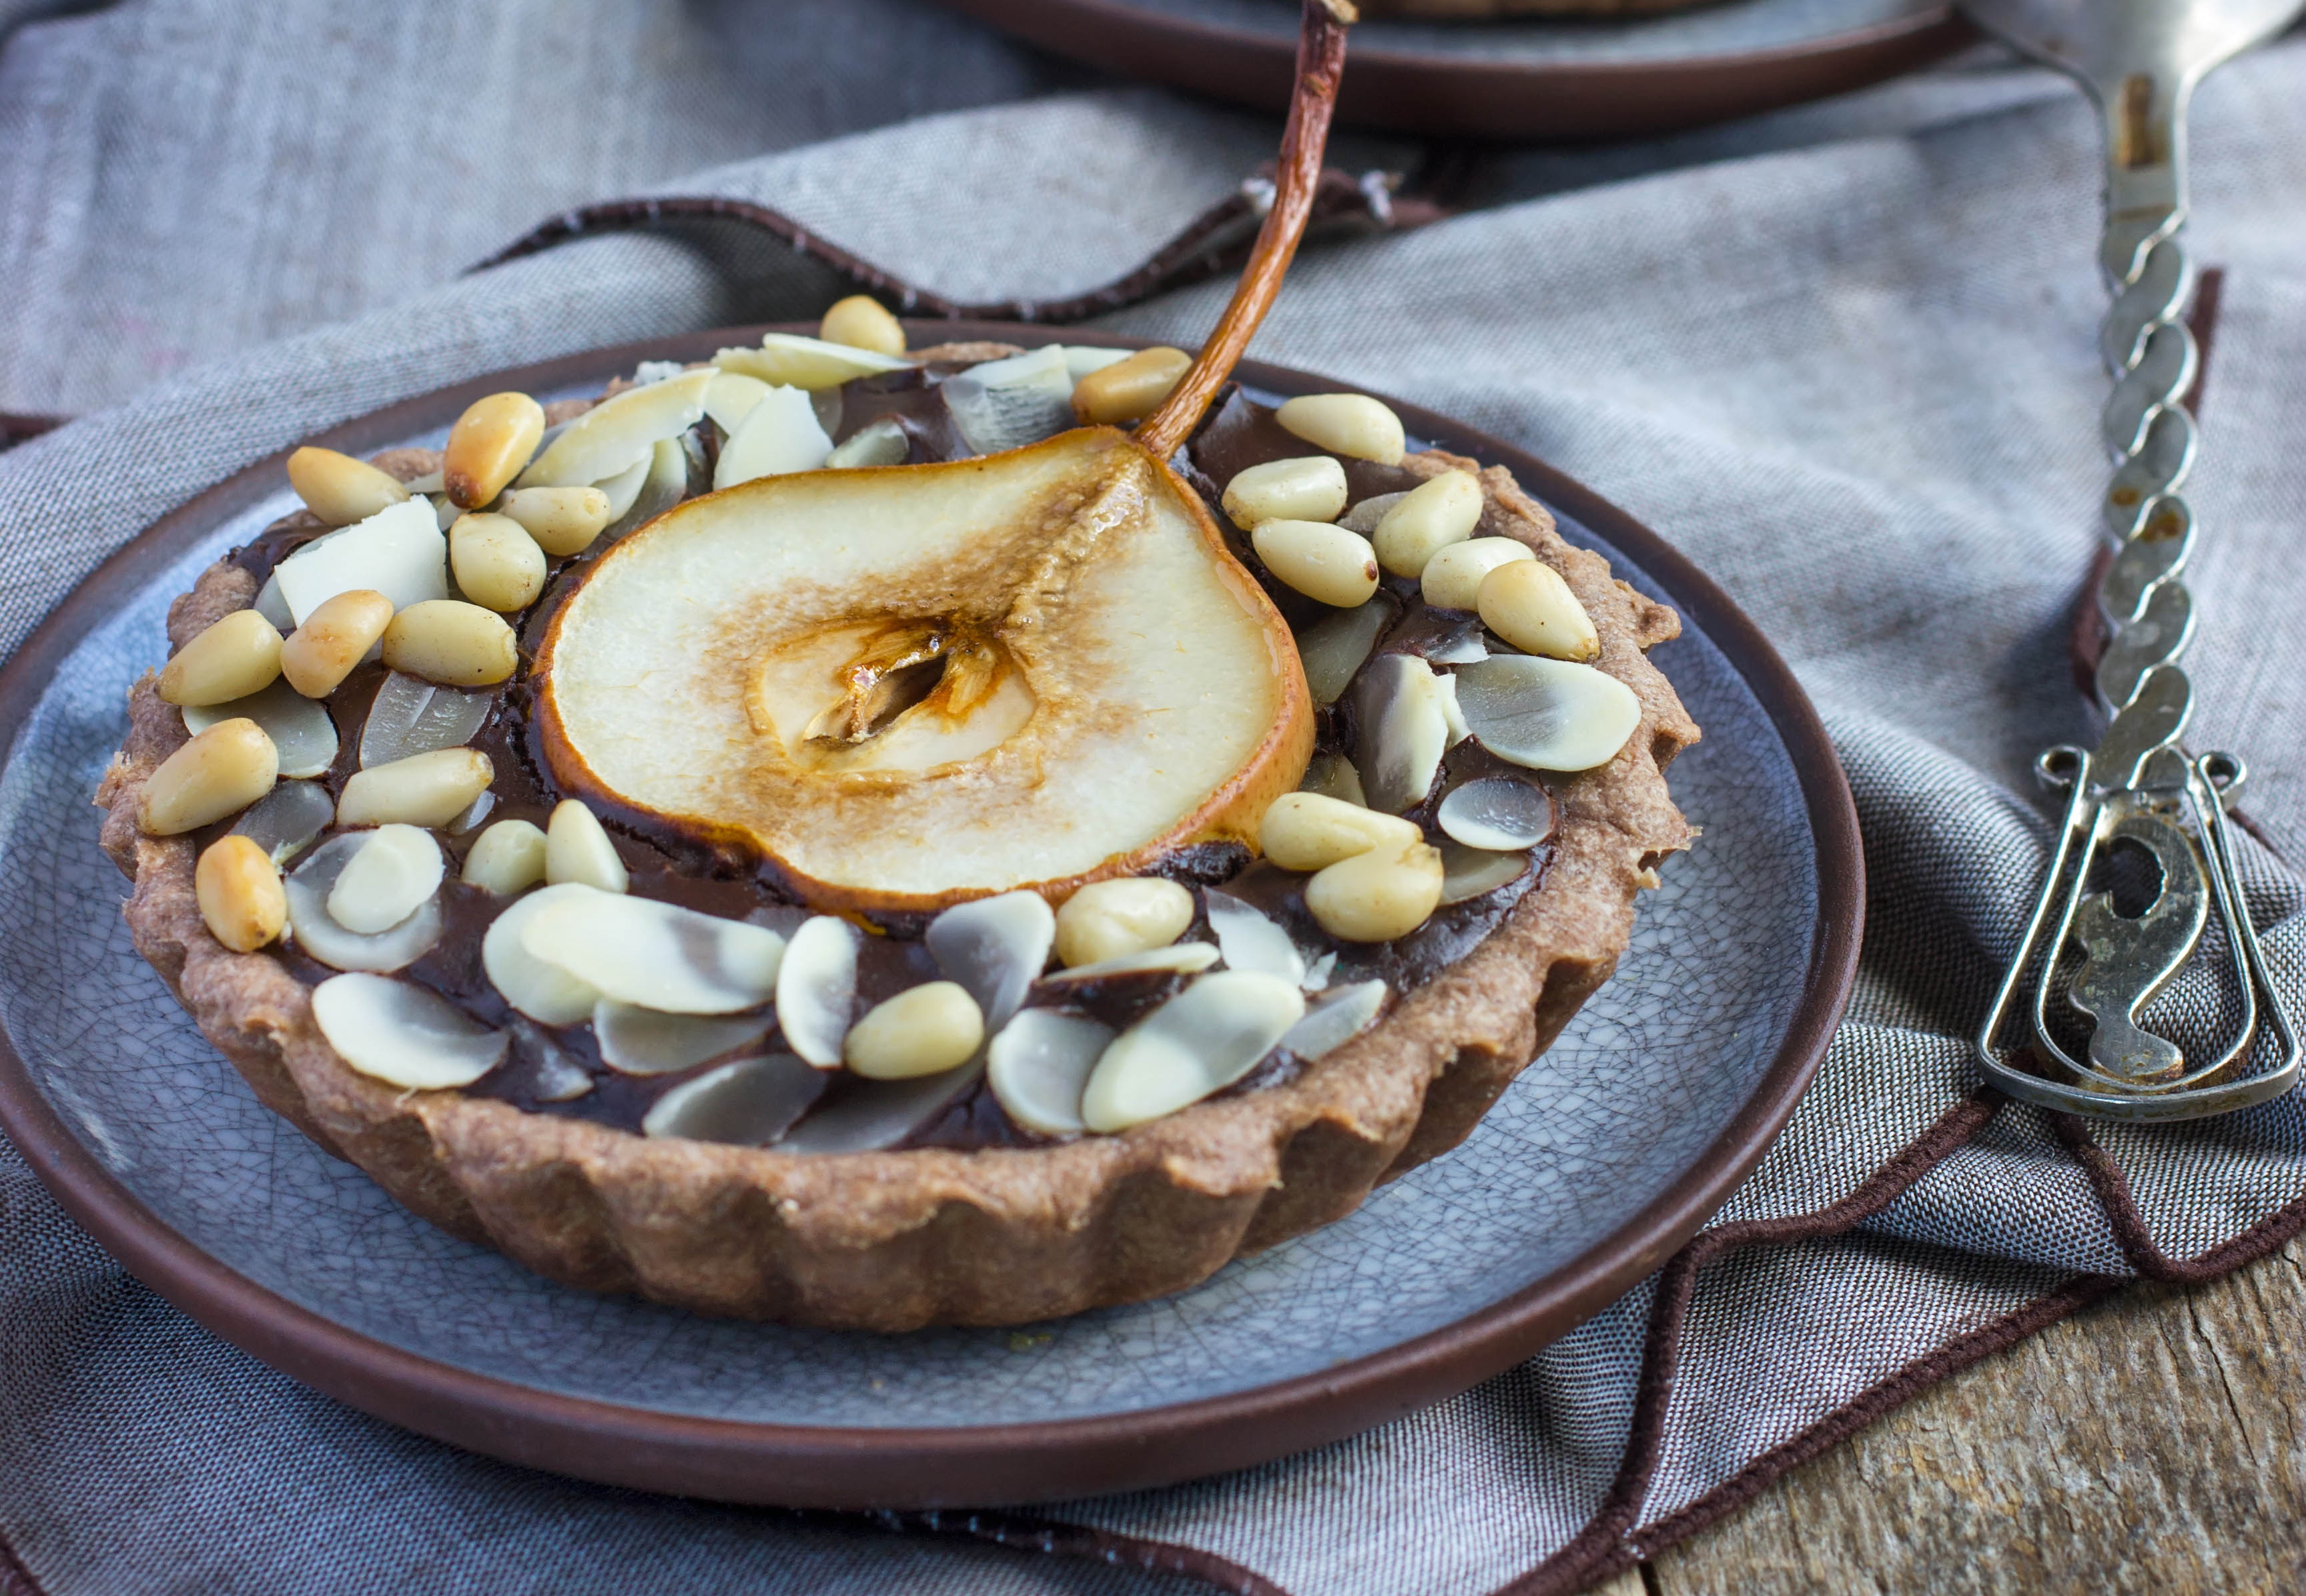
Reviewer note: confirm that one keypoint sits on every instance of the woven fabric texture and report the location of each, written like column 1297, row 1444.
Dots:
column 1844, row 358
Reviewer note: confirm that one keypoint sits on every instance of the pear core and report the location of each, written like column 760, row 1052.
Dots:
column 911, row 685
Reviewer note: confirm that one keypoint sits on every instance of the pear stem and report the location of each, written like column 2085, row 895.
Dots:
column 1321, row 62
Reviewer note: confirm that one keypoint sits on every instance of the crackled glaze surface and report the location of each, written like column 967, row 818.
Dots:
column 1646, row 1077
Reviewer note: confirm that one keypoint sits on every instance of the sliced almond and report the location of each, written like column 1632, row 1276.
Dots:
column 284, row 821
column 1365, row 516
column 779, row 435
column 1333, row 775
column 1497, row 812
column 578, row 849
column 623, row 491
column 410, row 715
column 1006, row 403
column 1405, row 731
column 655, row 955
column 1468, row 873
column 788, row 360
column 995, row 947
column 1546, row 715
column 649, row 1042
column 730, row 398
column 1250, row 940
column 749, row 1103
column 872, row 1114
column 619, row 432
column 1336, row 1019
column 304, row 733
column 1337, row 646
column 1201, row 1041
column 1450, row 712
column 666, row 485
column 545, row 993
column 320, row 935
column 882, row 442
column 1039, row 1063
column 402, row 1034
column 817, row 988
column 1184, row 958
column 398, row 552
column 394, row 872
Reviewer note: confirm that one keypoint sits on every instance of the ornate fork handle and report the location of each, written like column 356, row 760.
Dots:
column 2138, row 787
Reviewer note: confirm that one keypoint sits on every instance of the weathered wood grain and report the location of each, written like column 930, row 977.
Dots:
column 2154, row 1443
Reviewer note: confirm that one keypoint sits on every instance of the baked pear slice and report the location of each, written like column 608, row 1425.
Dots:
column 911, row 685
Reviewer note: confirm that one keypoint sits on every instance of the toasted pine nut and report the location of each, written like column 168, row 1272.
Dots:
column 1427, row 519
column 237, row 657
column 1379, row 895
column 1111, row 919
column 1319, row 560
column 336, row 636
column 497, row 565
column 925, row 1030
column 227, row 767
column 563, row 520
column 508, row 858
column 488, row 446
column 426, row 789
column 1308, row 831
column 1526, row 602
column 1129, row 390
column 339, row 489
column 452, row 643
column 240, row 893
column 578, row 849
column 1351, row 424
column 1311, row 488
column 861, row 322
column 1452, row 579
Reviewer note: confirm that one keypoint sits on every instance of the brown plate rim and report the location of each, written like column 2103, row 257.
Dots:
column 1435, row 94
column 1035, row 1461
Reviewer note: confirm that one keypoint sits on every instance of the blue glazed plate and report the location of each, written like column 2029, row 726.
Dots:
column 1602, row 1158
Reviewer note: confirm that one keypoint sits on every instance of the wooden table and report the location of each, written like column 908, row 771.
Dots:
column 2155, row 1442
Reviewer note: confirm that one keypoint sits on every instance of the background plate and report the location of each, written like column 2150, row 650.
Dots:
column 1600, row 1160
column 1513, row 79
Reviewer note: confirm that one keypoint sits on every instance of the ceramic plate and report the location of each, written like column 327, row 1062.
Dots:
column 1608, row 1152
column 1517, row 78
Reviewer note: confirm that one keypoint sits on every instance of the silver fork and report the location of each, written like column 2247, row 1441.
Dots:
column 2140, row 61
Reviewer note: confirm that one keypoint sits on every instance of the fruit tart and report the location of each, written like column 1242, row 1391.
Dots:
column 849, row 835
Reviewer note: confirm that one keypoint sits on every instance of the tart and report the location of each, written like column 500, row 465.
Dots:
column 849, row 836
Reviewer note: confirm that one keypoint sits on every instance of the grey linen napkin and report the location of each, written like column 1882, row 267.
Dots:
column 1844, row 358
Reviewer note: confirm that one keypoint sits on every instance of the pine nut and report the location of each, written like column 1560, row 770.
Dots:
column 1323, row 562
column 924, row 1032
column 497, row 564
column 1427, row 519
column 861, row 322
column 1527, row 604
column 1351, row 424
column 1307, row 831
column 1452, row 579
column 508, row 858
column 339, row 489
column 336, row 636
column 227, row 767
column 238, row 655
column 240, row 893
column 578, row 849
column 1129, row 390
column 488, row 446
column 1311, row 488
column 563, row 521
column 451, row 643
column 1379, row 895
column 1112, row 919
column 426, row 789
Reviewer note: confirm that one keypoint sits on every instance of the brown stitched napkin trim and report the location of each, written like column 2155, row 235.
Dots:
column 15, row 429
column 1212, row 242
